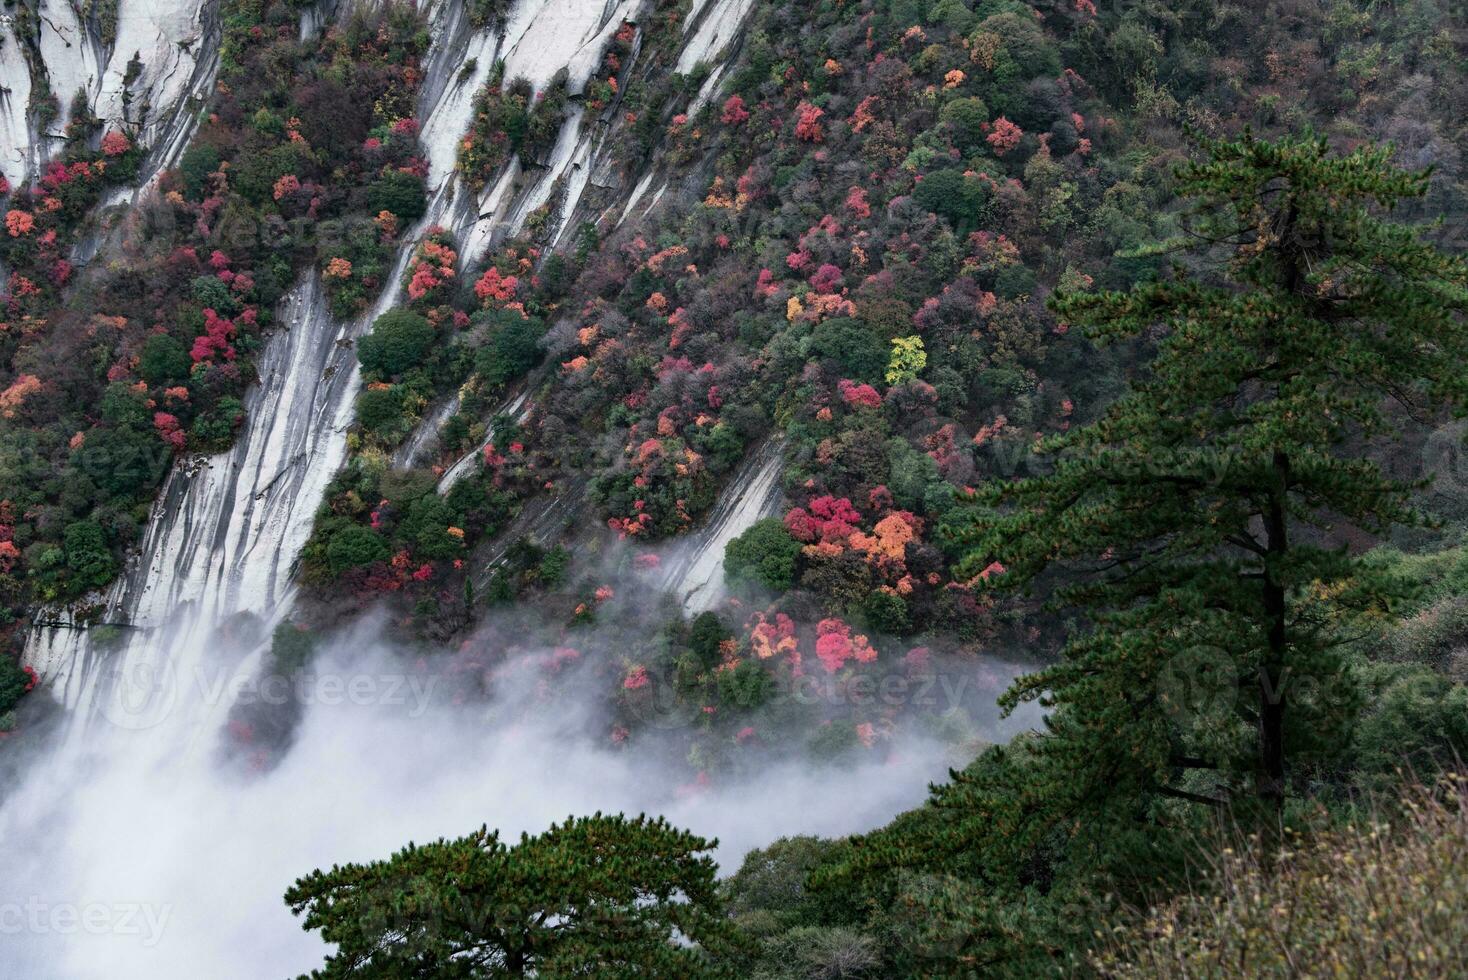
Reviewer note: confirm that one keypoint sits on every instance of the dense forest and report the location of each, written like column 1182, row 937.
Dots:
column 1110, row 353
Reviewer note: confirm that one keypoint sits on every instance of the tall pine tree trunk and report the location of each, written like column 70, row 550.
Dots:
column 1272, row 672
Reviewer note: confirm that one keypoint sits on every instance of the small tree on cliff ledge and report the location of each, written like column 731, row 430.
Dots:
column 595, row 896
column 1198, row 511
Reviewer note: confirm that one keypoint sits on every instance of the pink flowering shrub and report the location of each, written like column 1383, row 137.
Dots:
column 1005, row 136
column 495, row 288
column 827, row 279
column 115, row 144
column 858, row 395
column 169, row 429
column 808, row 123
column 734, row 111
column 826, row 518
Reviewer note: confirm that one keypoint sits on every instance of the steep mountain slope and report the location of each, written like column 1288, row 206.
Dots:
column 225, row 532
column 615, row 359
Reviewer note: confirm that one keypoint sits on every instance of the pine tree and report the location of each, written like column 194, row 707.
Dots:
column 1188, row 536
column 1193, row 525
column 595, row 896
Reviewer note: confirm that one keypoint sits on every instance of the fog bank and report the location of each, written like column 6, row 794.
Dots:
column 135, row 859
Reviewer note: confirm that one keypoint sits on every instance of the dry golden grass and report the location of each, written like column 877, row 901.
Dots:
column 1373, row 900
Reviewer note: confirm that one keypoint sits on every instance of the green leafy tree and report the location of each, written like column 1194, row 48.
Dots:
column 885, row 612
column 198, row 162
column 164, row 360
column 13, row 682
column 706, row 636
column 382, row 411
column 855, row 347
column 1194, row 518
column 766, row 554
column 399, row 340
column 426, row 528
column 214, row 428
column 953, row 196
column 721, row 446
column 398, row 192
column 596, row 896
column 291, row 647
column 991, row 878
column 211, row 292
column 967, row 117
column 513, row 347
column 88, row 558
column 353, row 546
column 770, row 885
column 745, row 685
column 790, row 925
column 121, row 461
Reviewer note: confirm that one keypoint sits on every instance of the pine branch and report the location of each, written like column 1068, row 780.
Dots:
column 1190, row 797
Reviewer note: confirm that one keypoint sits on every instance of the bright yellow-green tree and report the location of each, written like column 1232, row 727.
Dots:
column 907, row 360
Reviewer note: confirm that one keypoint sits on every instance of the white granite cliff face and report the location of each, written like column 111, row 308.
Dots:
column 694, row 569
column 215, row 568
column 128, row 810
column 226, row 531
column 150, row 73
